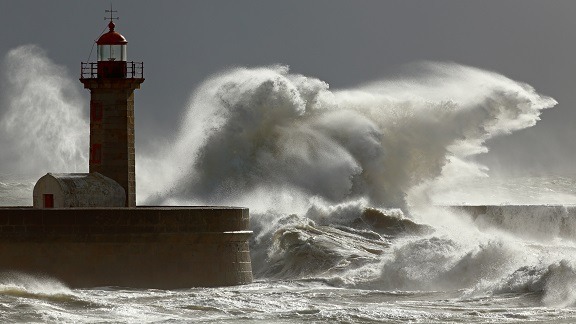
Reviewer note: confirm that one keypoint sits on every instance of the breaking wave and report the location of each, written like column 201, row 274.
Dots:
column 265, row 130
column 340, row 182
column 24, row 285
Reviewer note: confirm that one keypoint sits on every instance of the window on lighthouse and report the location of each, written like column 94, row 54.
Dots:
column 111, row 52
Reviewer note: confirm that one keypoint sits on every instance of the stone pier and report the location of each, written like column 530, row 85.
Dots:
column 142, row 247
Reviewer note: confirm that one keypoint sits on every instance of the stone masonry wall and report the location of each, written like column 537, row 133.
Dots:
column 148, row 247
column 112, row 151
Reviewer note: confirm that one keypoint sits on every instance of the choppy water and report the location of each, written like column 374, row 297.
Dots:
column 368, row 267
column 271, row 302
column 344, row 187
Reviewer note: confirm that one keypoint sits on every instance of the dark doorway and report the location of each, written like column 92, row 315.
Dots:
column 48, row 200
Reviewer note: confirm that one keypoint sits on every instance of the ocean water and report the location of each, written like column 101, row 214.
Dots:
column 348, row 191
column 514, row 264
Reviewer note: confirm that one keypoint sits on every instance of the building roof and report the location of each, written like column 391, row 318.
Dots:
column 111, row 37
column 85, row 189
column 81, row 180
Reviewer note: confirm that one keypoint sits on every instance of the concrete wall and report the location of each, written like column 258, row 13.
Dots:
column 534, row 222
column 147, row 247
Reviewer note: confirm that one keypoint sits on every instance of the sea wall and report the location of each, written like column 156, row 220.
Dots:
column 540, row 222
column 143, row 247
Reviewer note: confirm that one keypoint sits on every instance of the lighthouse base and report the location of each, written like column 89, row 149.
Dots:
column 144, row 247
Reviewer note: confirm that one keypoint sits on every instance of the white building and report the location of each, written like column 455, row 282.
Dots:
column 61, row 190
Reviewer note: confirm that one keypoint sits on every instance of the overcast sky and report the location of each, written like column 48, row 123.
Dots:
column 345, row 43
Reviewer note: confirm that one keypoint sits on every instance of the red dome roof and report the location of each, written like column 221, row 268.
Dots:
column 111, row 37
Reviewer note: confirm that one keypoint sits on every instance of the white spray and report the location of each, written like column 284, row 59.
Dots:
column 249, row 129
column 43, row 123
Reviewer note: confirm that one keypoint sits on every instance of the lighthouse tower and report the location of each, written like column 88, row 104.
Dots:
column 112, row 81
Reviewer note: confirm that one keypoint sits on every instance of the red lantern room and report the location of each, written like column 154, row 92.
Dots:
column 111, row 54
column 111, row 46
column 111, row 57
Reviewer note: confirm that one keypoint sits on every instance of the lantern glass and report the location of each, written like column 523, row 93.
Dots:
column 111, row 52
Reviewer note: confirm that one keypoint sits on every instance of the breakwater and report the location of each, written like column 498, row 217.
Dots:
column 147, row 247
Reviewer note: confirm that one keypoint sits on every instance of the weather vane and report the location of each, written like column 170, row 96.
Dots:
column 111, row 11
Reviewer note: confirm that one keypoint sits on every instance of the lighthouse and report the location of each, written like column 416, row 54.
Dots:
column 112, row 81
column 78, row 219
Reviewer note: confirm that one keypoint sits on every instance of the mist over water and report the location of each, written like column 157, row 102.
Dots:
column 343, row 187
column 43, row 119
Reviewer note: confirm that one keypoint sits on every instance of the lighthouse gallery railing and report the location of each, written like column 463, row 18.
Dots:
column 89, row 70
